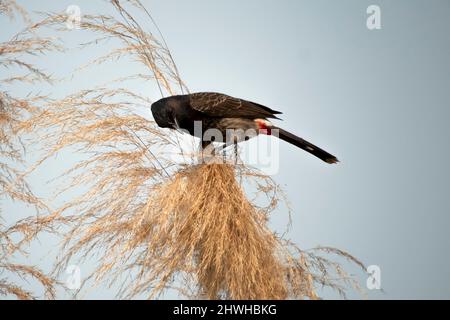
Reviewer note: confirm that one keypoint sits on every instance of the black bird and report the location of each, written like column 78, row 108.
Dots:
column 221, row 112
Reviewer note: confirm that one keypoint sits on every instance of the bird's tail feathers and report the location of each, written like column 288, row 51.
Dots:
column 305, row 145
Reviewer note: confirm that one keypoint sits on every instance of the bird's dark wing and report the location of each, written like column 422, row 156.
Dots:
column 222, row 105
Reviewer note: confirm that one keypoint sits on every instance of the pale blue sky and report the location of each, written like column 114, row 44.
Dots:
column 379, row 100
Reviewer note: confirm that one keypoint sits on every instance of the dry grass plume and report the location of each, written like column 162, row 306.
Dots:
column 14, row 112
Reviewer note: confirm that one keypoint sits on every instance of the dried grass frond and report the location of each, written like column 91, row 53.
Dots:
column 136, row 44
column 13, row 113
column 10, row 8
column 27, row 272
column 210, row 232
column 196, row 230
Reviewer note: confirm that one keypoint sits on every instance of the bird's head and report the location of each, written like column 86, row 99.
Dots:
column 162, row 113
